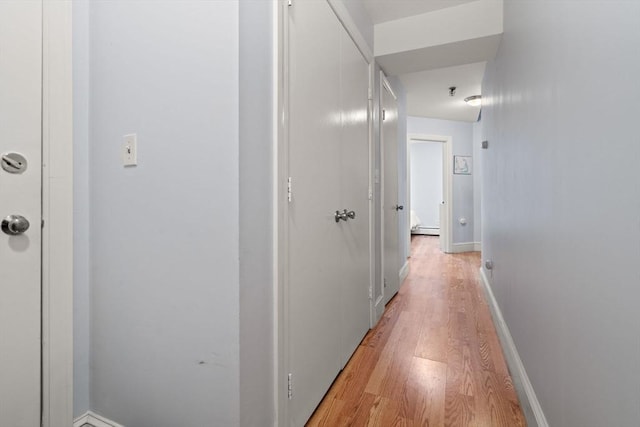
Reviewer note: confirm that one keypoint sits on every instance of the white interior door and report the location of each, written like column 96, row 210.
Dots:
column 328, row 259
column 315, row 241
column 20, row 194
column 354, row 186
column 390, row 207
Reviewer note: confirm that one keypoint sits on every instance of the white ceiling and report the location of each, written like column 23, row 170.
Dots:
column 389, row 10
column 428, row 92
column 455, row 60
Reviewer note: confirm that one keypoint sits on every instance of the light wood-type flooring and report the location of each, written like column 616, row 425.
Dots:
column 434, row 359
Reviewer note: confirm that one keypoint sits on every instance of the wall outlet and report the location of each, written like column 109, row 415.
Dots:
column 130, row 150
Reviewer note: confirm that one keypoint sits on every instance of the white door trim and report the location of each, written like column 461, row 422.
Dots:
column 447, row 179
column 57, row 214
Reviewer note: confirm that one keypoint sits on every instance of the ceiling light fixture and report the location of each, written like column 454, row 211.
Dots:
column 474, row 100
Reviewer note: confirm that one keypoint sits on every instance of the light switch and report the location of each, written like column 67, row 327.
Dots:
column 130, row 150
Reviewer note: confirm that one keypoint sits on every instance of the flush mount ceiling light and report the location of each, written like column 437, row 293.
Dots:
column 474, row 100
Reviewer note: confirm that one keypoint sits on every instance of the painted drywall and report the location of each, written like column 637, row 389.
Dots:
column 561, row 203
column 361, row 18
column 403, row 215
column 477, row 181
column 462, row 138
column 165, row 234
column 257, row 374
column 426, row 181
column 81, row 299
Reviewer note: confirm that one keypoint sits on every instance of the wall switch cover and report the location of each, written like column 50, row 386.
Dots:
column 130, row 150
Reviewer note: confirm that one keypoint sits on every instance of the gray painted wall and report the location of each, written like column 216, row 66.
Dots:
column 165, row 234
column 477, row 181
column 361, row 18
column 257, row 374
column 462, row 138
column 561, row 203
column 426, row 181
column 81, row 248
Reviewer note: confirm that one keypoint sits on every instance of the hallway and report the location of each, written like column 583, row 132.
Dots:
column 433, row 359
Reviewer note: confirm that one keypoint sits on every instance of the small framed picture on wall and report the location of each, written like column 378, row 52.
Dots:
column 462, row 165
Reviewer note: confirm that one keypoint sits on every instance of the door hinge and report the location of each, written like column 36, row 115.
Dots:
column 370, row 293
column 42, row 224
column 370, row 194
column 384, row 114
column 289, row 192
column 384, row 283
column 289, row 387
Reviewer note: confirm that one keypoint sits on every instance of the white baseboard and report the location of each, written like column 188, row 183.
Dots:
column 94, row 420
column 528, row 399
column 429, row 231
column 404, row 272
column 457, row 248
column 477, row 246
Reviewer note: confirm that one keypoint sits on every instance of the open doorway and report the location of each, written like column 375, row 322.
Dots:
column 429, row 189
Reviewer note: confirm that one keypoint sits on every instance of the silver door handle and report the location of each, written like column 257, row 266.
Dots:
column 351, row 214
column 398, row 207
column 341, row 215
column 14, row 225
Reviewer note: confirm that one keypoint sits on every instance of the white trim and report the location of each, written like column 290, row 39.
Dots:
column 57, row 213
column 477, row 246
column 427, row 231
column 404, row 272
column 385, row 83
column 94, row 420
column 531, row 406
column 446, row 220
column 457, row 248
column 352, row 29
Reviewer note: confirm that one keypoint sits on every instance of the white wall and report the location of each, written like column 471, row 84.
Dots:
column 257, row 298
column 81, row 247
column 426, row 181
column 165, row 234
column 477, row 181
column 462, row 138
column 561, row 203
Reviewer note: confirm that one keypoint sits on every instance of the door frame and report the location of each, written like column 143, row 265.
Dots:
column 281, row 186
column 446, row 220
column 57, row 214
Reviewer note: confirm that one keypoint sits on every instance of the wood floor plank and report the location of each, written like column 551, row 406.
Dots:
column 434, row 359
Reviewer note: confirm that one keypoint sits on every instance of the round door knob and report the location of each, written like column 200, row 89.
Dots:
column 398, row 207
column 14, row 225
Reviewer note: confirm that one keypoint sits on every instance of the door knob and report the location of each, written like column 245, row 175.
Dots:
column 341, row 215
column 13, row 162
column 398, row 207
column 351, row 214
column 14, row 225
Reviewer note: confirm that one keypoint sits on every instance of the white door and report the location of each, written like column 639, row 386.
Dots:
column 315, row 241
column 390, row 207
column 328, row 260
column 354, row 185
column 20, row 196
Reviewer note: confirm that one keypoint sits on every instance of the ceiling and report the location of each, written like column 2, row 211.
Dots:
column 389, row 10
column 428, row 92
column 426, row 83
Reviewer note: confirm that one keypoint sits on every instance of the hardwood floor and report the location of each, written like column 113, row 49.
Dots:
column 434, row 359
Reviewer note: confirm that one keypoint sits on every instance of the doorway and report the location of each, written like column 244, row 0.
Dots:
column 429, row 189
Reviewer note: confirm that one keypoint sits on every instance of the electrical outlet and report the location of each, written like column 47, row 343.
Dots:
column 130, row 150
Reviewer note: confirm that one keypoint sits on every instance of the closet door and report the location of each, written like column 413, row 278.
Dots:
column 354, row 92
column 315, row 241
column 390, row 207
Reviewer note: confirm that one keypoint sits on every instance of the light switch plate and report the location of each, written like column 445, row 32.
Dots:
column 130, row 150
